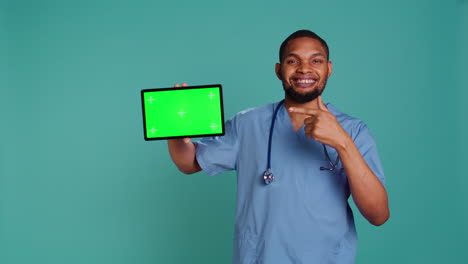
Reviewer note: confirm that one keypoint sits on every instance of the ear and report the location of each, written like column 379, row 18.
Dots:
column 330, row 68
column 278, row 71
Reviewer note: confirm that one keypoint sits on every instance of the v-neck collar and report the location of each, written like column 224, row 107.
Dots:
column 284, row 118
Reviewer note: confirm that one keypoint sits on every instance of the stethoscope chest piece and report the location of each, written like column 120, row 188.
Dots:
column 268, row 176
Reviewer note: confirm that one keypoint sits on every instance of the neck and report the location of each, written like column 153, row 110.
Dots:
column 290, row 103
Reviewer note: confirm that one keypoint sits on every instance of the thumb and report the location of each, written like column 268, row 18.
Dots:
column 187, row 140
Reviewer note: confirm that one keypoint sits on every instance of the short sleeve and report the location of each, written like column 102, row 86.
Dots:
column 366, row 144
column 219, row 154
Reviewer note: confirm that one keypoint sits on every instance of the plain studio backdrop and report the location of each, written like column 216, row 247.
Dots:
column 78, row 184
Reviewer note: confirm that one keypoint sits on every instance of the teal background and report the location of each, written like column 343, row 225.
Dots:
column 71, row 72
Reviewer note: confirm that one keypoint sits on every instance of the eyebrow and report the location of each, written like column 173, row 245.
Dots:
column 297, row 56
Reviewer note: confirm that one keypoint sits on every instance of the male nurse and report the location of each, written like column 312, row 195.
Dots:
column 294, row 181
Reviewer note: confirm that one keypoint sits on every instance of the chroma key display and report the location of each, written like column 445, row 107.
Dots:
column 191, row 111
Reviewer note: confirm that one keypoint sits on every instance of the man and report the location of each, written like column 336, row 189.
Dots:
column 301, row 214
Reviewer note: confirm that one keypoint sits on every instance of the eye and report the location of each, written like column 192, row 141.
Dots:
column 317, row 61
column 291, row 61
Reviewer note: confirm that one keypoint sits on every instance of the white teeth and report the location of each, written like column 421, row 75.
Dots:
column 305, row 81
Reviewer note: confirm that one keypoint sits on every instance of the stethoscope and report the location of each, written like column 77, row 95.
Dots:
column 268, row 175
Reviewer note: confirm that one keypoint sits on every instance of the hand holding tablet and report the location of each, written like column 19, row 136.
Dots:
column 181, row 112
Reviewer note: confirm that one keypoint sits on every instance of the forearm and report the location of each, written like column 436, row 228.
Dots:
column 368, row 192
column 183, row 154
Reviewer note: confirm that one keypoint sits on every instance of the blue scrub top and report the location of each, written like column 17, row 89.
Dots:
column 303, row 216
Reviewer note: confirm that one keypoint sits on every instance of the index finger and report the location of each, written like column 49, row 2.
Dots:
column 305, row 111
column 321, row 105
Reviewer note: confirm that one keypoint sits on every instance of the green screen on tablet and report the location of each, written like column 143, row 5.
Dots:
column 191, row 111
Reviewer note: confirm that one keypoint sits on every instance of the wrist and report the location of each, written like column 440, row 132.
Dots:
column 345, row 143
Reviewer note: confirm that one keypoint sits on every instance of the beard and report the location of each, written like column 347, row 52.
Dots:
column 303, row 97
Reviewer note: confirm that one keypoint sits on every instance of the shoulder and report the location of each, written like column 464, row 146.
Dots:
column 255, row 113
column 351, row 124
column 249, row 119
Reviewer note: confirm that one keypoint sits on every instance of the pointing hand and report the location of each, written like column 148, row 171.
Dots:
column 322, row 125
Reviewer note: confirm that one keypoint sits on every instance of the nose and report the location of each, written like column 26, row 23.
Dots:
column 303, row 68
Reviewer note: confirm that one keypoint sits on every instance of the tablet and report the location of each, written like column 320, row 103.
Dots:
column 177, row 112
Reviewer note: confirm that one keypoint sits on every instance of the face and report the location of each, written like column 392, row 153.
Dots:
column 304, row 70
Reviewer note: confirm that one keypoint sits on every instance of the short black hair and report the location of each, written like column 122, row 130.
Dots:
column 301, row 34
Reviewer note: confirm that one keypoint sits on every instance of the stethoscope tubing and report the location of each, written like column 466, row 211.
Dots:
column 268, row 175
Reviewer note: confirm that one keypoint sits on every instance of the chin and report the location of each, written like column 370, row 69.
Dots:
column 302, row 96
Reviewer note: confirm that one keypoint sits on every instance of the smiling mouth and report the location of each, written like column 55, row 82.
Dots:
column 304, row 82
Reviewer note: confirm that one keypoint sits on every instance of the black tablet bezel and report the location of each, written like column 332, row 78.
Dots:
column 183, row 88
